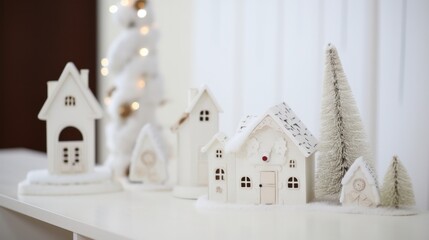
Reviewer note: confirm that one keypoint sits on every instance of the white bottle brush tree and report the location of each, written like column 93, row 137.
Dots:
column 137, row 87
column 342, row 138
column 397, row 190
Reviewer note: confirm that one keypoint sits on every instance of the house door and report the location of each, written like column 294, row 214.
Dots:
column 268, row 187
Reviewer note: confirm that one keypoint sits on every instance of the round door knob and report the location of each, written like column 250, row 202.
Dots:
column 260, row 185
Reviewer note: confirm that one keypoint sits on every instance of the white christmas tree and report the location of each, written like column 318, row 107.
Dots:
column 342, row 138
column 397, row 190
column 137, row 86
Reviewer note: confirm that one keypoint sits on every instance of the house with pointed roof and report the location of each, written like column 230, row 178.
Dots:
column 148, row 160
column 218, row 163
column 198, row 124
column 269, row 160
column 70, row 112
column 359, row 185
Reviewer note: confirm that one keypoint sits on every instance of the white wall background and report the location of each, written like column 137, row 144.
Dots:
column 254, row 54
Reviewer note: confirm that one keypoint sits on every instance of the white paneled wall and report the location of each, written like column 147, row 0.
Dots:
column 403, row 99
column 254, row 54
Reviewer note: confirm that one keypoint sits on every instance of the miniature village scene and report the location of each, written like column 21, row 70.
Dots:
column 272, row 159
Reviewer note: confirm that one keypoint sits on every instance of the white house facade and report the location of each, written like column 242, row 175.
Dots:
column 359, row 186
column 269, row 160
column 70, row 112
column 148, row 160
column 195, row 128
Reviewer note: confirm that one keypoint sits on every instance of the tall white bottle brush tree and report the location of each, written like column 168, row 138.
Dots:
column 342, row 138
column 136, row 93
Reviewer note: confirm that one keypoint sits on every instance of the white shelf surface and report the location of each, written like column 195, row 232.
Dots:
column 158, row 215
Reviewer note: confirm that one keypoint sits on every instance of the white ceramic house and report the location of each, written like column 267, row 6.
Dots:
column 269, row 160
column 194, row 129
column 70, row 112
column 360, row 186
column 148, row 160
column 219, row 161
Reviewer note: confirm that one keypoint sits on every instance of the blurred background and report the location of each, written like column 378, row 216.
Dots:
column 252, row 54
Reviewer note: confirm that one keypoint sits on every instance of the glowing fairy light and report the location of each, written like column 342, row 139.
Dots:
column 135, row 106
column 141, row 83
column 104, row 71
column 144, row 52
column 144, row 30
column 125, row 2
column 104, row 62
column 141, row 13
column 113, row 9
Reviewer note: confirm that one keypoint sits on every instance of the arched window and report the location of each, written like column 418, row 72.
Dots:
column 218, row 153
column 204, row 115
column 70, row 101
column 245, row 182
column 220, row 174
column 70, row 134
column 292, row 182
column 292, row 164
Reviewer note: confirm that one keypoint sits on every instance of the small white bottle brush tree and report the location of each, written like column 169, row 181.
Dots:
column 397, row 190
column 342, row 138
column 136, row 93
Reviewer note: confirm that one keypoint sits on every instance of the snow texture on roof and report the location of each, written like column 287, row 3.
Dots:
column 154, row 136
column 71, row 69
column 366, row 169
column 287, row 120
column 184, row 117
column 218, row 137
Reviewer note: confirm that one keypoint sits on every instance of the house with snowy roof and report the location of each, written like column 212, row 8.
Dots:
column 359, row 185
column 269, row 160
column 198, row 124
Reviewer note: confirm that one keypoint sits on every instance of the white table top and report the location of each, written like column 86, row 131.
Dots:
column 158, row 215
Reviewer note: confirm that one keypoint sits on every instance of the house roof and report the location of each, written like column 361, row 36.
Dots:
column 288, row 122
column 366, row 169
column 203, row 89
column 218, row 137
column 70, row 69
column 150, row 132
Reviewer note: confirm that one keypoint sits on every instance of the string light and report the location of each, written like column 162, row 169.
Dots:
column 113, row 9
column 144, row 52
column 135, row 106
column 144, row 30
column 141, row 13
column 141, row 83
column 104, row 71
column 125, row 2
column 104, row 62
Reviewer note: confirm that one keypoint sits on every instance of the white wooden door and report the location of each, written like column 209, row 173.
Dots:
column 268, row 187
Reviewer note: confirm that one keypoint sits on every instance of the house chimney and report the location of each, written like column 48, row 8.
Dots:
column 84, row 76
column 191, row 94
column 51, row 86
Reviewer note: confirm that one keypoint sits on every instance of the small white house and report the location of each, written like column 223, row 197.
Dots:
column 148, row 160
column 196, row 127
column 269, row 160
column 360, row 186
column 70, row 112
